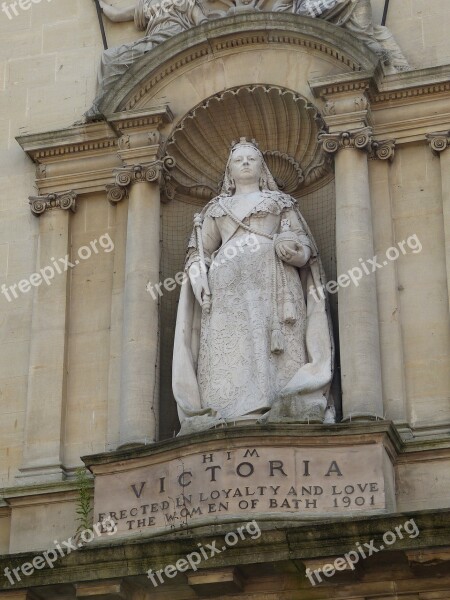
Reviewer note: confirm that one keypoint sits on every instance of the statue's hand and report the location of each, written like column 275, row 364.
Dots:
column 286, row 250
column 293, row 253
column 199, row 282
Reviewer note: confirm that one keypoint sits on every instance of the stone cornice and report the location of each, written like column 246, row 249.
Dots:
column 381, row 88
column 411, row 85
column 405, row 106
column 64, row 201
column 343, row 83
column 439, row 141
column 137, row 120
column 9, row 494
column 86, row 140
column 82, row 158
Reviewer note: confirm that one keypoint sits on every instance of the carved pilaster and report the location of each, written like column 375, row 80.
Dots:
column 125, row 176
column 361, row 139
column 439, row 141
column 65, row 201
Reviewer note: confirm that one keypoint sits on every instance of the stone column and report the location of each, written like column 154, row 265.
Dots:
column 44, row 423
column 140, row 341
column 358, row 309
column 138, row 183
column 440, row 144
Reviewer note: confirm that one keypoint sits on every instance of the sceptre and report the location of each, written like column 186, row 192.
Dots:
column 102, row 25
column 206, row 304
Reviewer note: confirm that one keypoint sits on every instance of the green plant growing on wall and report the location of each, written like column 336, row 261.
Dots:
column 84, row 508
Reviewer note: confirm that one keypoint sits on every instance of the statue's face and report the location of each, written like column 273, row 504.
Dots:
column 245, row 165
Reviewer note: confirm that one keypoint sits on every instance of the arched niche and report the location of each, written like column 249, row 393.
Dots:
column 246, row 75
column 286, row 126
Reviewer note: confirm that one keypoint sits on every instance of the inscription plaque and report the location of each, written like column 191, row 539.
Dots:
column 175, row 490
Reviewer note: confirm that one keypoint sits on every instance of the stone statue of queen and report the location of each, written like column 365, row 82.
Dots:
column 253, row 339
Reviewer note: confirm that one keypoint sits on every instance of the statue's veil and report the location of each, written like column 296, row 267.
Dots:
column 267, row 182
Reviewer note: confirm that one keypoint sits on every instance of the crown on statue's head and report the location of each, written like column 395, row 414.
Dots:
column 244, row 142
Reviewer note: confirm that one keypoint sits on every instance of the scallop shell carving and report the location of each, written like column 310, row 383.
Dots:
column 284, row 124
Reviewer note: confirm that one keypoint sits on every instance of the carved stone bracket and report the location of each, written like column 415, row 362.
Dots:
column 125, row 176
column 439, row 141
column 361, row 139
column 65, row 201
column 112, row 589
column 346, row 104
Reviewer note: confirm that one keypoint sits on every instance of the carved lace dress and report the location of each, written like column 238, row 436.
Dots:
column 238, row 372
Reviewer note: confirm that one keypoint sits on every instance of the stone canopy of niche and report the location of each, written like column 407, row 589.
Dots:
column 283, row 123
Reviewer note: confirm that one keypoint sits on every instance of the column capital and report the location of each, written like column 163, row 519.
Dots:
column 382, row 150
column 360, row 139
column 439, row 141
column 153, row 172
column 63, row 200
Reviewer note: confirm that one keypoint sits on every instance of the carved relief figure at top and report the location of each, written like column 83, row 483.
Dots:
column 159, row 19
column 252, row 341
column 356, row 17
column 163, row 19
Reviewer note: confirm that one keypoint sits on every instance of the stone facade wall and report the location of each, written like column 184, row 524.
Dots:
column 420, row 28
column 48, row 64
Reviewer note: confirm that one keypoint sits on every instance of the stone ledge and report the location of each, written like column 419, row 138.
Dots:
column 24, row 491
column 310, row 540
column 303, row 432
